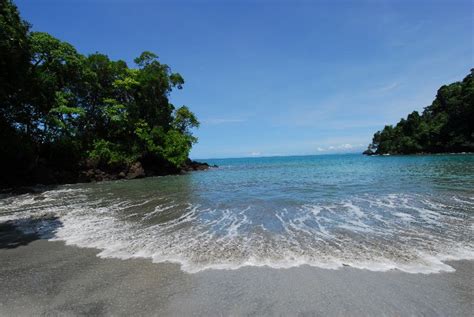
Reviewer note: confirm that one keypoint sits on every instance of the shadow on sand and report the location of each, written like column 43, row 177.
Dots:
column 15, row 233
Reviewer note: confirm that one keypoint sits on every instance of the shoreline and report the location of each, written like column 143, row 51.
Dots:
column 192, row 166
column 95, row 175
column 48, row 277
column 416, row 154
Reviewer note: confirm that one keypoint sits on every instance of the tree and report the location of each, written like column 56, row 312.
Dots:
column 444, row 126
column 61, row 110
column 14, row 60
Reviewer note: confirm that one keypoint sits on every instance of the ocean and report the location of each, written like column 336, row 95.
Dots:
column 379, row 213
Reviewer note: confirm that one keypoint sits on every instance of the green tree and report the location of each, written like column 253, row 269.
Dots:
column 14, row 62
column 61, row 110
column 444, row 126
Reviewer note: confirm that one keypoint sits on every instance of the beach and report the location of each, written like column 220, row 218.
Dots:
column 319, row 162
column 49, row 278
column 310, row 236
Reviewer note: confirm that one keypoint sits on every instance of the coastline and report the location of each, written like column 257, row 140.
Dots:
column 366, row 153
column 50, row 178
column 40, row 277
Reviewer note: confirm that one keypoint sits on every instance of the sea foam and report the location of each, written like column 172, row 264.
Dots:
column 413, row 233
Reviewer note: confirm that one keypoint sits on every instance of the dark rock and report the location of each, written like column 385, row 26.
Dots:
column 190, row 165
column 368, row 152
column 44, row 175
column 136, row 171
column 91, row 171
column 156, row 166
column 89, row 163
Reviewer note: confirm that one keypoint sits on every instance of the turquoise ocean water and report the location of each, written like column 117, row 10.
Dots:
column 411, row 213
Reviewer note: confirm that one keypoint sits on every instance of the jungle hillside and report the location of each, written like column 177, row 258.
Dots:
column 445, row 126
column 67, row 117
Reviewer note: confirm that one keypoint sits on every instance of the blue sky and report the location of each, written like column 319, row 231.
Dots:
column 281, row 77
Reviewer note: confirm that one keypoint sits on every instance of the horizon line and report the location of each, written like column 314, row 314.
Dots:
column 276, row 155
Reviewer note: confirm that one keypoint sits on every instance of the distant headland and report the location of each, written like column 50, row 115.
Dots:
column 446, row 126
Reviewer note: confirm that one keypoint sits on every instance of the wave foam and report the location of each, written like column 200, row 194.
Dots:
column 410, row 233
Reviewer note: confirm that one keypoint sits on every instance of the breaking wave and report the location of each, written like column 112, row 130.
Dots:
column 414, row 233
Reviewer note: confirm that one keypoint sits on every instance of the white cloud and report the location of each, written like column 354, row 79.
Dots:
column 346, row 147
column 386, row 88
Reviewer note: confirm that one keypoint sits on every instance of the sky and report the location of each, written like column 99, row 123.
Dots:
column 275, row 77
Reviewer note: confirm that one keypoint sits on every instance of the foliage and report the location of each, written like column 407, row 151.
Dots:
column 108, row 153
column 57, row 104
column 14, row 55
column 447, row 125
column 176, row 145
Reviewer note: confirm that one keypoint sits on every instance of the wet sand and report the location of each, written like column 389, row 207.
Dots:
column 40, row 277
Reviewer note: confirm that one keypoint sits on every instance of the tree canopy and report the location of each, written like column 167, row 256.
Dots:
column 61, row 109
column 447, row 125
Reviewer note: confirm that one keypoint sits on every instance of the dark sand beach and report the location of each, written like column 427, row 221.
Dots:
column 39, row 277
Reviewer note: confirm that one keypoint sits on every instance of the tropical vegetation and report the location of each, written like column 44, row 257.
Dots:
column 61, row 111
column 447, row 125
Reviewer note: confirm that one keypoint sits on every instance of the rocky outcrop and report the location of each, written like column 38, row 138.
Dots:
column 135, row 171
column 141, row 169
column 196, row 166
column 90, row 171
column 368, row 152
